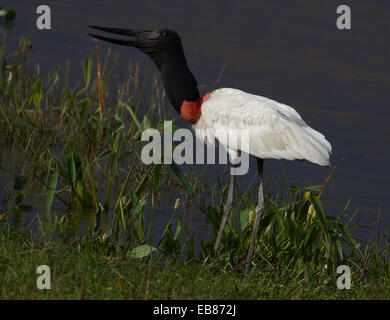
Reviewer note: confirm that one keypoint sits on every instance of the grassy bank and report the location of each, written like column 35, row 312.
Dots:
column 78, row 148
column 96, row 274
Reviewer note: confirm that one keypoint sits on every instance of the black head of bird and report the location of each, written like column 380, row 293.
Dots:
column 165, row 48
column 151, row 42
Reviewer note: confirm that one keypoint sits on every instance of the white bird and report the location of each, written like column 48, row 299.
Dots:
column 272, row 130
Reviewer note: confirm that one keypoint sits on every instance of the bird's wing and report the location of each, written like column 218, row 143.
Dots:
column 261, row 127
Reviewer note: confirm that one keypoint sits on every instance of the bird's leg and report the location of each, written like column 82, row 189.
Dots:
column 259, row 210
column 226, row 211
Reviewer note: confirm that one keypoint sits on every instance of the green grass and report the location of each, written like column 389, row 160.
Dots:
column 78, row 153
column 99, row 274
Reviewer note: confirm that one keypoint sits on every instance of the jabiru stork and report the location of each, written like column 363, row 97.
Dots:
column 276, row 131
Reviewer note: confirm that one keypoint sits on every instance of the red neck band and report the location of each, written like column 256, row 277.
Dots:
column 191, row 110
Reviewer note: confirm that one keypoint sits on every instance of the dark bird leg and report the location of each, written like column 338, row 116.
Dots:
column 259, row 210
column 226, row 211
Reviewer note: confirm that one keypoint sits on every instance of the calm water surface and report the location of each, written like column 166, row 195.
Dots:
column 289, row 51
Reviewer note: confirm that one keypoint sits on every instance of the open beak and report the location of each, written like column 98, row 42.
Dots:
column 140, row 39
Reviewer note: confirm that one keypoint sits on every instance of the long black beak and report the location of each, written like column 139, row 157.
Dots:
column 138, row 42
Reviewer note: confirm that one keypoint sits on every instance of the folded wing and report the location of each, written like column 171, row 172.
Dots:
column 261, row 127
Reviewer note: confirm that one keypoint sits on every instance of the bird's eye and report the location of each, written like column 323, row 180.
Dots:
column 164, row 34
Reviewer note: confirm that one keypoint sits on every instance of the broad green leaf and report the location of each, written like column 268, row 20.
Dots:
column 314, row 188
column 318, row 208
column 244, row 217
column 142, row 251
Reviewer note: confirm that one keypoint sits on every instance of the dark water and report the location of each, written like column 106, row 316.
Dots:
column 289, row 51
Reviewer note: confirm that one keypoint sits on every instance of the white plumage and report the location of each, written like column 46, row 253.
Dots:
column 275, row 130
